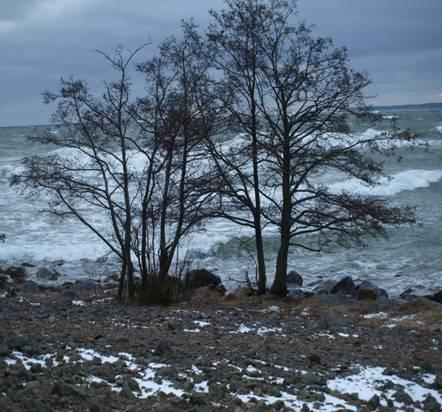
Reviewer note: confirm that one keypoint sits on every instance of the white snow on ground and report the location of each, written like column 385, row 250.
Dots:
column 29, row 361
column 201, row 323
column 375, row 315
column 2, row 295
column 261, row 330
column 367, row 384
column 78, row 303
column 90, row 354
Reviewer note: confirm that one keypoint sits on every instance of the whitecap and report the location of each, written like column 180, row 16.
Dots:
column 405, row 180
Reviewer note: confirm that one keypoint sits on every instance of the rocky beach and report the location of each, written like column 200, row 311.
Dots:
column 346, row 346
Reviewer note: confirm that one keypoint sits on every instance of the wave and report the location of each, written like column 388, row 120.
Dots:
column 438, row 129
column 406, row 180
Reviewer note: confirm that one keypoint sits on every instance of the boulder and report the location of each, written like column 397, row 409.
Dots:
column 295, row 278
column 47, row 274
column 324, row 287
column 17, row 274
column 345, row 286
column 368, row 291
column 201, row 277
column 436, row 297
column 4, row 281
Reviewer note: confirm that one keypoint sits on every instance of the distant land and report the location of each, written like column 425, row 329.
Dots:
column 411, row 106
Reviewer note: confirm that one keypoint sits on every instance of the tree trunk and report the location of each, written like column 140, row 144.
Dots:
column 279, row 286
column 262, row 280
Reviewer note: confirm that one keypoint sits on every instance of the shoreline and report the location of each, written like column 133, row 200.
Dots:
column 80, row 347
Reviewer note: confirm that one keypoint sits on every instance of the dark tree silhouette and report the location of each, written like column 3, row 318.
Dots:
column 296, row 93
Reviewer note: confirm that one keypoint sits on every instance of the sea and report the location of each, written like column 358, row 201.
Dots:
column 408, row 256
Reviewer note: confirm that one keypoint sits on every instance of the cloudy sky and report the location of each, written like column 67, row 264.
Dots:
column 397, row 41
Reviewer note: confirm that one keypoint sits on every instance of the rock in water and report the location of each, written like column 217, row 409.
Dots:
column 295, row 278
column 368, row 291
column 47, row 274
column 324, row 287
column 201, row 277
column 345, row 286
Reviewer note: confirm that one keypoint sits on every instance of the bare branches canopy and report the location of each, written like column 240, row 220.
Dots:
column 155, row 165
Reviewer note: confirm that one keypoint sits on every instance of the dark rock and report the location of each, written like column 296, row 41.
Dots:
column 436, row 297
column 16, row 342
column 374, row 402
column 4, row 280
column 47, row 274
column 28, row 265
column 201, row 277
column 163, row 349
column 4, row 350
column 403, row 397
column 345, row 286
column 431, row 404
column 18, row 274
column 295, row 278
column 314, row 358
column 368, row 291
column 438, row 381
column 324, row 287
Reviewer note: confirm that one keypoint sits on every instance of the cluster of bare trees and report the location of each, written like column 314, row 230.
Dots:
column 155, row 165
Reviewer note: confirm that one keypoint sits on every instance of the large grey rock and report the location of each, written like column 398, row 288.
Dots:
column 47, row 274
column 324, row 287
column 345, row 286
column 201, row 277
column 295, row 278
column 368, row 291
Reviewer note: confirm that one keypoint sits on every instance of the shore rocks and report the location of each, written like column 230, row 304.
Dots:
column 345, row 286
column 17, row 274
column 295, row 278
column 368, row 291
column 45, row 273
column 201, row 277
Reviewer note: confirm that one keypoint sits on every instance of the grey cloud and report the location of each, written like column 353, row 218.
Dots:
column 396, row 41
column 16, row 9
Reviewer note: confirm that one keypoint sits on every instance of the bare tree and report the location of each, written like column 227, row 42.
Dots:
column 185, row 113
column 234, row 40
column 96, row 173
column 298, row 92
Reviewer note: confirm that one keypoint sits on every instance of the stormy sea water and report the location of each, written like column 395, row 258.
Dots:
column 408, row 257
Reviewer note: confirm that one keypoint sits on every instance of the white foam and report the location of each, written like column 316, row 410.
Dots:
column 438, row 128
column 405, row 180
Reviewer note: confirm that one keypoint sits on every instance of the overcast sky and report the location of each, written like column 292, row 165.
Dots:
column 397, row 41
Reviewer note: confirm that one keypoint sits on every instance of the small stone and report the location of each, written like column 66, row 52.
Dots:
column 374, row 402
column 314, row 358
column 163, row 349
